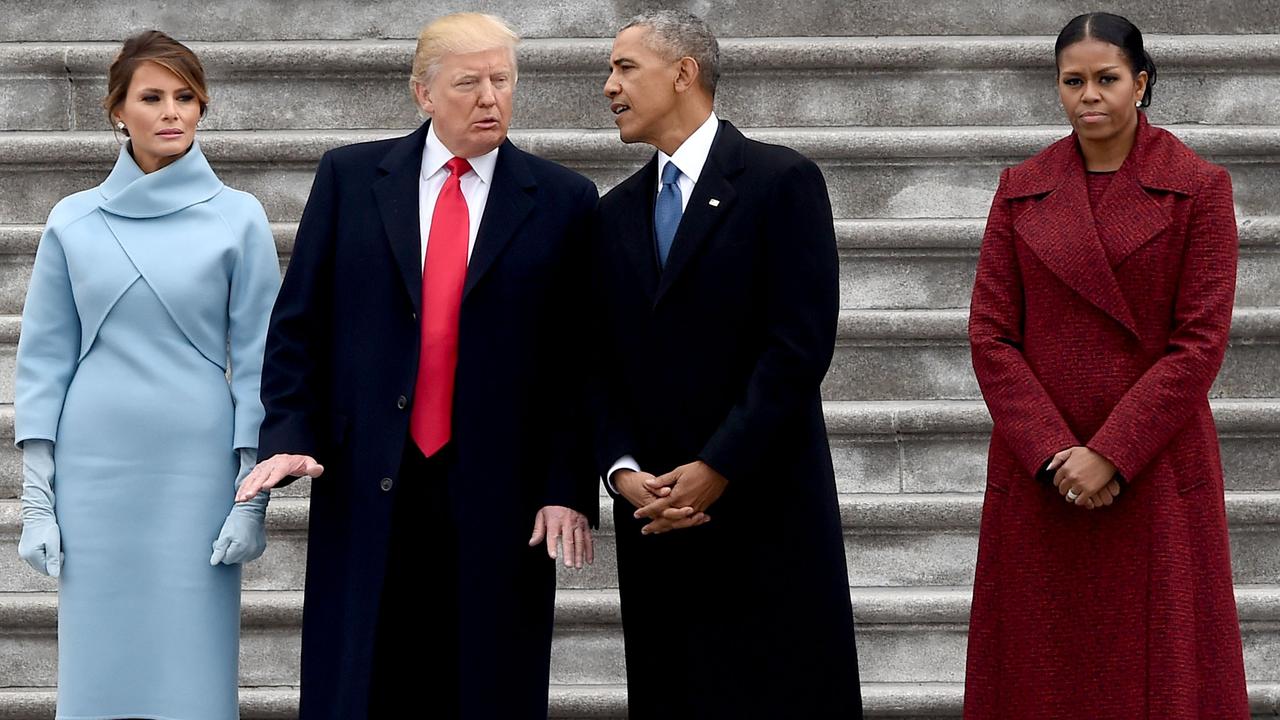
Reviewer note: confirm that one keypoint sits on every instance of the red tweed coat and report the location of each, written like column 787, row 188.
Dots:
column 1108, row 335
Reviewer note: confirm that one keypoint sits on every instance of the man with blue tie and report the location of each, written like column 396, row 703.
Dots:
column 717, row 289
column 422, row 365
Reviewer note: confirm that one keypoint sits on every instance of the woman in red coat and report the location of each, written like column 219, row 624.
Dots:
column 1099, row 320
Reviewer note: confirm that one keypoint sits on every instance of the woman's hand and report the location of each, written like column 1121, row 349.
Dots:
column 1084, row 477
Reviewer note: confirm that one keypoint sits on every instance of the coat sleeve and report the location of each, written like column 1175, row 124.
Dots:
column 1025, row 417
column 1162, row 401
column 801, row 305
column 293, row 370
column 571, row 482
column 613, row 437
column 49, row 347
column 255, row 279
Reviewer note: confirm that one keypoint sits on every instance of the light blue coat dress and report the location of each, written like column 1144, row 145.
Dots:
column 148, row 292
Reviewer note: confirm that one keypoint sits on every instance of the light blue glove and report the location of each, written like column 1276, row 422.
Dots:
column 41, row 542
column 244, row 532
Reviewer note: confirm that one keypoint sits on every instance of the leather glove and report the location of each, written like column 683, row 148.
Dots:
column 244, row 533
column 41, row 541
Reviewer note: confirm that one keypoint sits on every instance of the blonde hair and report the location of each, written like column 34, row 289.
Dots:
column 463, row 32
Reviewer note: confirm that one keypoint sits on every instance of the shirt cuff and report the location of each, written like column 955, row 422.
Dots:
column 626, row 462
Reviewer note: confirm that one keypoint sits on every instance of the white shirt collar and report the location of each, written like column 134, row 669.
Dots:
column 693, row 152
column 435, row 155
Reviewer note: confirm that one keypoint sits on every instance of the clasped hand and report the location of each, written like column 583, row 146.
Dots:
column 1090, row 474
column 674, row 501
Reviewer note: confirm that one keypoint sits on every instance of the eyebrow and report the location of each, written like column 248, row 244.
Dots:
column 184, row 88
column 1077, row 71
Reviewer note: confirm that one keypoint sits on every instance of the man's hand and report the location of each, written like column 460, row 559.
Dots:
column 556, row 522
column 1086, row 473
column 268, row 473
column 694, row 487
column 634, row 486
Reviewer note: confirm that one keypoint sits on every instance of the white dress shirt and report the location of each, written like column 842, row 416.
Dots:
column 690, row 158
column 475, row 187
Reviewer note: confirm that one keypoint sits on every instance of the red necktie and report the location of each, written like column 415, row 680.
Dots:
column 443, row 276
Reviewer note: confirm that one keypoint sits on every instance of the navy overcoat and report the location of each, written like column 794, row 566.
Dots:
column 337, row 384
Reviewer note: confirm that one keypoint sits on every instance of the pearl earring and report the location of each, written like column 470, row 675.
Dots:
column 1138, row 104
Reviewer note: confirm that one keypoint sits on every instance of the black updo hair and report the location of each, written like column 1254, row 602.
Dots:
column 1117, row 31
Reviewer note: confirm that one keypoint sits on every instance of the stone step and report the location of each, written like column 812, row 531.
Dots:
column 912, row 636
column 63, row 20
column 871, row 172
column 924, row 354
column 270, row 627
column 884, row 264
column 897, row 446
column 891, row 540
column 861, row 81
column 901, row 701
column 256, row 703
column 907, row 641
column 929, row 264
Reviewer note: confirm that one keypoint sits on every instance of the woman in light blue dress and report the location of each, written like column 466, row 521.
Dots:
column 137, row 408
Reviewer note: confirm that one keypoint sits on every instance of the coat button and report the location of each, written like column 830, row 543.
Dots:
column 402, row 402
column 386, row 484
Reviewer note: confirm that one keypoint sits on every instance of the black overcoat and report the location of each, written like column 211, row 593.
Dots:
column 337, row 384
column 720, row 357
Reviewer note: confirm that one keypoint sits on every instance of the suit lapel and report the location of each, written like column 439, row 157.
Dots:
column 636, row 237
column 1060, row 229
column 712, row 198
column 510, row 202
column 396, row 193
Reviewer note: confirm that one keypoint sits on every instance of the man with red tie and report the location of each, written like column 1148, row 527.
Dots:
column 421, row 365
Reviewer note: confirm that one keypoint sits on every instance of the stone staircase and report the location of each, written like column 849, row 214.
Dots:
column 911, row 109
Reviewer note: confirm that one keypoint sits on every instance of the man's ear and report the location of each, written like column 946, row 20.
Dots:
column 687, row 75
column 422, row 94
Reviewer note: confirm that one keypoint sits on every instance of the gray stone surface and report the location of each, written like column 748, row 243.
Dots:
column 932, row 446
column 871, row 173
column 891, row 540
column 924, row 354
column 901, row 701
column 775, row 82
column 269, row 652
column 282, row 567
column 290, row 19
column 884, row 264
column 910, row 132
column 909, row 636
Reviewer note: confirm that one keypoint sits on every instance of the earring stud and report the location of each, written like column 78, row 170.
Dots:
column 119, row 124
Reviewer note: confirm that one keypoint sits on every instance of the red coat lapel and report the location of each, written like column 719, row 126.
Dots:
column 1130, row 215
column 1060, row 228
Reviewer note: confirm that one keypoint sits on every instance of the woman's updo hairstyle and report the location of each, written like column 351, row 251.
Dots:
column 153, row 46
column 1114, row 30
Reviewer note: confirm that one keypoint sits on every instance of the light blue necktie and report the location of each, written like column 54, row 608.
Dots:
column 667, row 212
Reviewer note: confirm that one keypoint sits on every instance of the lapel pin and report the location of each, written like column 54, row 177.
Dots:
column 713, row 202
